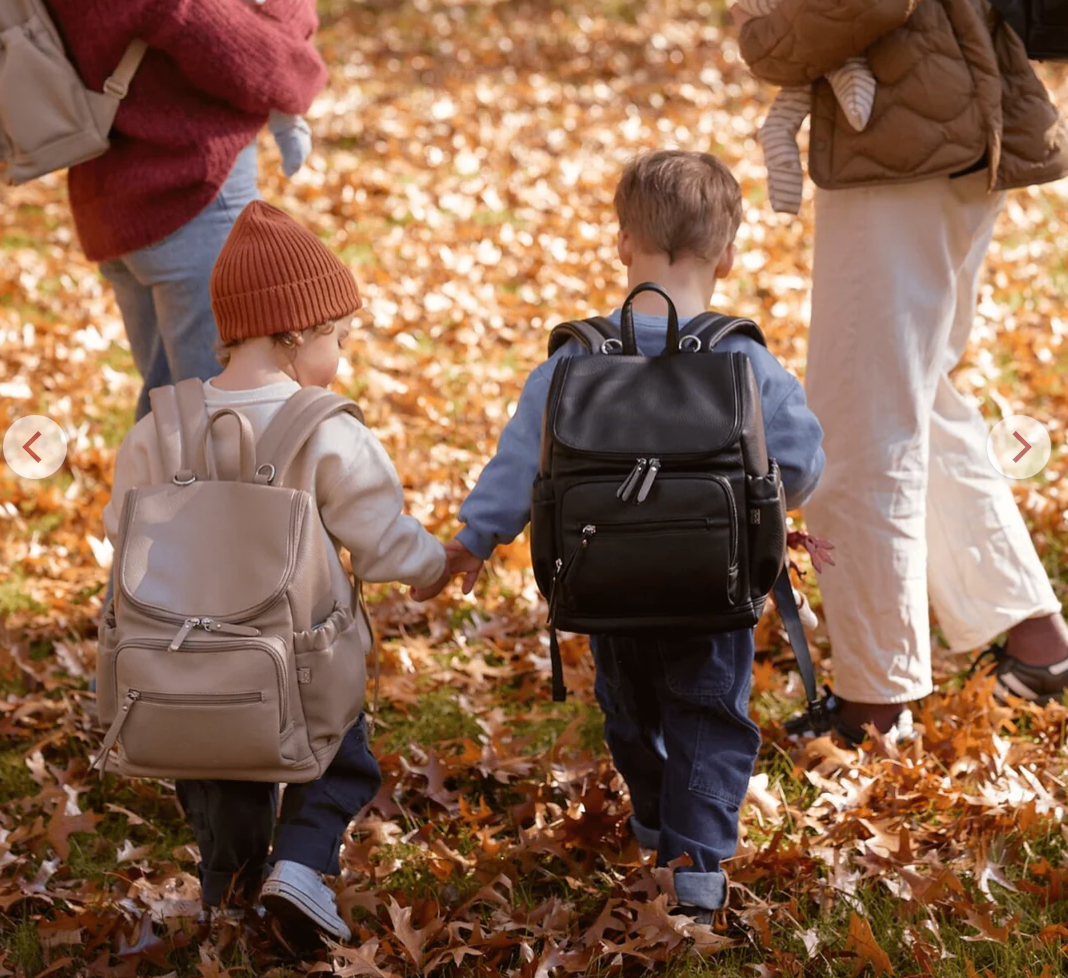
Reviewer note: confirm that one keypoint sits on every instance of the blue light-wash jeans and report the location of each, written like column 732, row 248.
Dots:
column 162, row 290
column 234, row 821
column 677, row 724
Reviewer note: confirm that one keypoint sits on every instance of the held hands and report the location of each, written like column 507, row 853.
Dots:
column 460, row 561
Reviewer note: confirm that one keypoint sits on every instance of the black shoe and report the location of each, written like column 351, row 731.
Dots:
column 1036, row 684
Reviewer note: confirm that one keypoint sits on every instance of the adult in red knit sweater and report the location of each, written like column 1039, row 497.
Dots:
column 156, row 208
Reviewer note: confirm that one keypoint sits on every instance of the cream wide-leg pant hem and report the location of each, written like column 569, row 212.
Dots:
column 909, row 497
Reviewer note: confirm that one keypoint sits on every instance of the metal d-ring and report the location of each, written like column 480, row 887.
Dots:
column 271, row 471
column 690, row 344
column 612, row 345
column 183, row 482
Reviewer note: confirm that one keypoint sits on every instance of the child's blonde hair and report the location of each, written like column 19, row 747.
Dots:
column 288, row 340
column 679, row 203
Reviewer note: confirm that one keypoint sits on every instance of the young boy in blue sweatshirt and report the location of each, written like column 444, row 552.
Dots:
column 676, row 710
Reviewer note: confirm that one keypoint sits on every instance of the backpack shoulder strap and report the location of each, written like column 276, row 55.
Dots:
column 180, row 414
column 118, row 83
column 591, row 333
column 294, row 424
column 710, row 327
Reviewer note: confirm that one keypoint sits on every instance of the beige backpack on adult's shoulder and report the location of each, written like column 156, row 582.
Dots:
column 225, row 653
column 49, row 119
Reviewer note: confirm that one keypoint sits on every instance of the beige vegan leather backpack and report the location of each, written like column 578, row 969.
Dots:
column 224, row 654
column 49, row 120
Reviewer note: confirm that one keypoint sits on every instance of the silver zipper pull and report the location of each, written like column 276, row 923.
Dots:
column 211, row 625
column 650, row 478
column 187, row 626
column 588, row 532
column 552, row 591
column 624, row 491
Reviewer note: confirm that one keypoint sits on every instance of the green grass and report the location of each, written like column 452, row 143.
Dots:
column 15, row 780
column 19, row 936
column 13, row 597
column 438, row 718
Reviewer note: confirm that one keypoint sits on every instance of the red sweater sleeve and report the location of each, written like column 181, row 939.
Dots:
column 233, row 52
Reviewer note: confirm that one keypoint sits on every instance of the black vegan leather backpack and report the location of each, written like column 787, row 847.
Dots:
column 1042, row 24
column 656, row 505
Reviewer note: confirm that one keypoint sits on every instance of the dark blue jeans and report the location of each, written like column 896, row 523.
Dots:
column 234, row 821
column 677, row 723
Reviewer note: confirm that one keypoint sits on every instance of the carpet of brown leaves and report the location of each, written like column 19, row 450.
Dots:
column 466, row 160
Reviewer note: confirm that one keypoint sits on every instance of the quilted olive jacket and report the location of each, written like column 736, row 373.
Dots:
column 954, row 84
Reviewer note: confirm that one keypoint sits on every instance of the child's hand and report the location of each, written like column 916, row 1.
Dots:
column 432, row 590
column 462, row 561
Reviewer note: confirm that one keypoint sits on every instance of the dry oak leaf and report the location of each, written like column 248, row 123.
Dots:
column 861, row 941
column 61, row 825
column 352, row 961
column 414, row 940
column 211, row 965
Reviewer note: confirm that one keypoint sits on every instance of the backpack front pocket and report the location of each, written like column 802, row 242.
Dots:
column 220, row 705
column 657, row 567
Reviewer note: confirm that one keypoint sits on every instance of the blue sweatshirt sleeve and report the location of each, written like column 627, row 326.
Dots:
column 792, row 433
column 498, row 508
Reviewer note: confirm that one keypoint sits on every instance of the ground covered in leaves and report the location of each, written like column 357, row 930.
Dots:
column 466, row 159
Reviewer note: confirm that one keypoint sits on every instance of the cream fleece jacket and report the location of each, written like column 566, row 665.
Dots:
column 342, row 465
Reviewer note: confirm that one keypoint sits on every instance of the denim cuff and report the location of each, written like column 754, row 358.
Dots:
column 705, row 890
column 309, row 847
column 647, row 838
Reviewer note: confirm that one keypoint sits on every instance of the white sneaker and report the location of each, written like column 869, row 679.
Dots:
column 297, row 895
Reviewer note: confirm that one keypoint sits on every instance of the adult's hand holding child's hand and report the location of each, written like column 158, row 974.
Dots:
column 460, row 561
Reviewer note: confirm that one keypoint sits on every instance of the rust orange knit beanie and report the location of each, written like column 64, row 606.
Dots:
column 273, row 275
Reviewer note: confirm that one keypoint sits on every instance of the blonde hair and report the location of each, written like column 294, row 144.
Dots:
column 288, row 340
column 679, row 203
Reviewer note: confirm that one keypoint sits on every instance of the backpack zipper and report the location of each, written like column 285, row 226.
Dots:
column 627, row 488
column 647, row 482
column 199, row 699
column 563, row 570
column 210, row 625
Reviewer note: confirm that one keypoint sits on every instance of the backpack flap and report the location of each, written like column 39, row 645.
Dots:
column 173, row 536
column 652, row 407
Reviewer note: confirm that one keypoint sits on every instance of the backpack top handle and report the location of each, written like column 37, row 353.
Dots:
column 206, row 450
column 626, row 321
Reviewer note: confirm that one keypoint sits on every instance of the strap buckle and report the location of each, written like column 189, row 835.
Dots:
column 817, row 716
column 116, row 88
